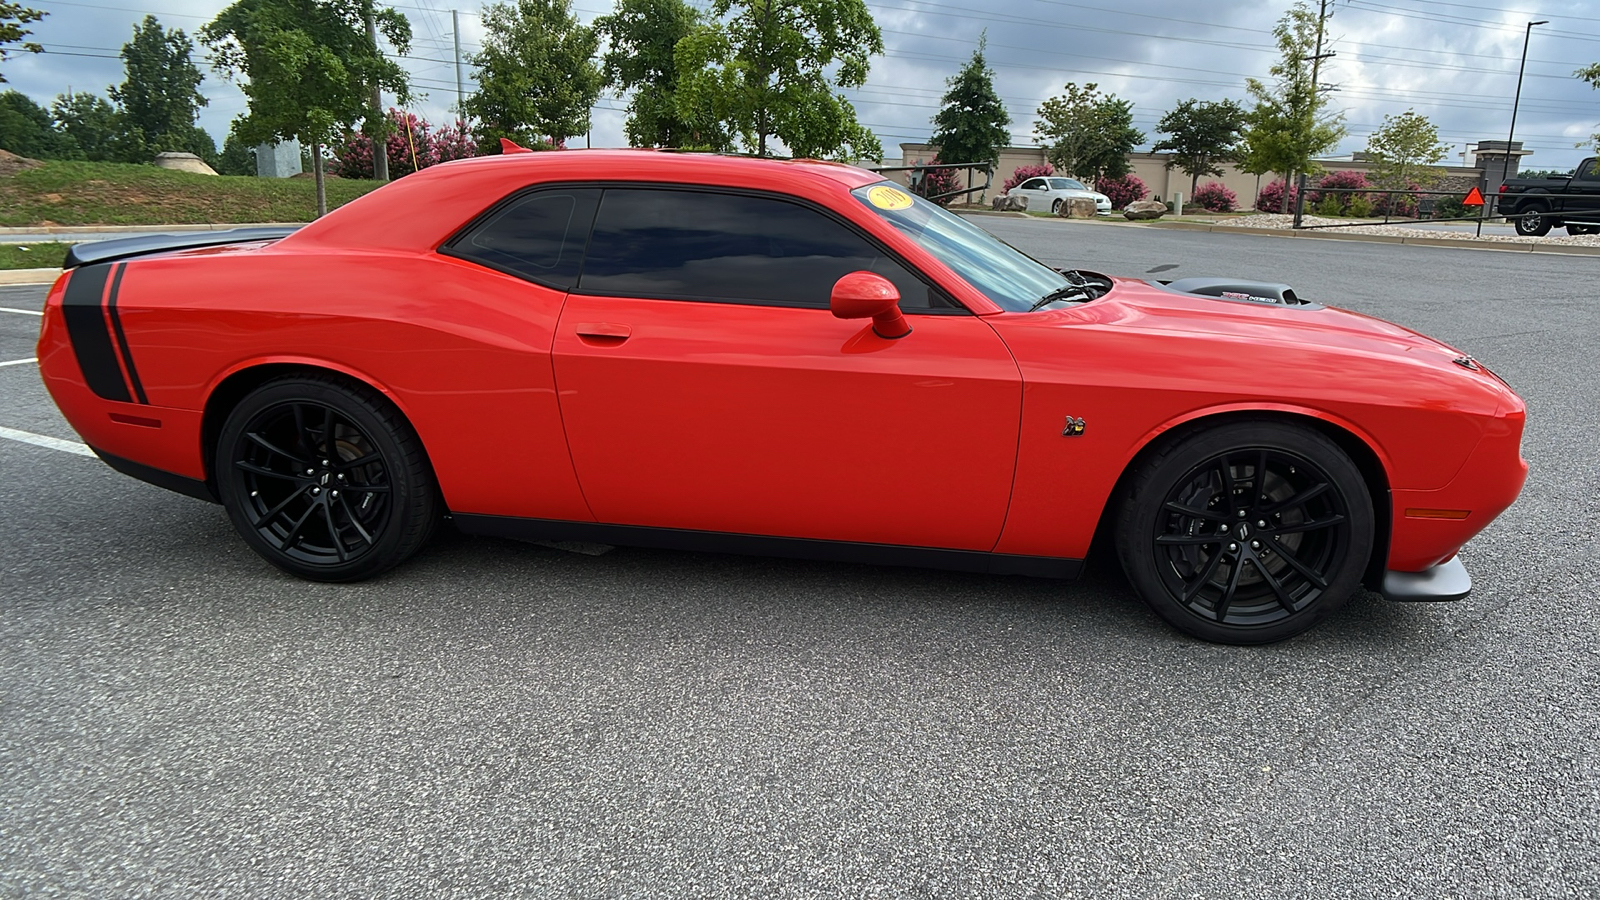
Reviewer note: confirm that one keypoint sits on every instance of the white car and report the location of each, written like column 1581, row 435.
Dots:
column 1048, row 192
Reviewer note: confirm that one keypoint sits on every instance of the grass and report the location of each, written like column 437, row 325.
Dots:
column 83, row 193
column 32, row 256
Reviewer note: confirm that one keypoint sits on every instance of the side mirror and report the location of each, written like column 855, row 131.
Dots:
column 865, row 295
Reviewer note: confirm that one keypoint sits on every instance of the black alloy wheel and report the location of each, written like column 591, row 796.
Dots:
column 325, row 480
column 1248, row 533
column 1533, row 221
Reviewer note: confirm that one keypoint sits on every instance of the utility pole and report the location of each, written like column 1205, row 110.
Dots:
column 455, row 28
column 375, row 123
column 1311, row 109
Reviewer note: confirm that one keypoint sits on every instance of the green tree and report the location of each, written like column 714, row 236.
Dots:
column 97, row 129
column 971, row 124
column 1290, row 124
column 1589, row 73
column 536, row 73
column 1087, row 134
column 12, row 17
column 1200, row 135
column 761, row 70
column 1404, row 150
column 237, row 157
column 642, row 38
column 308, row 68
column 26, row 130
column 160, row 98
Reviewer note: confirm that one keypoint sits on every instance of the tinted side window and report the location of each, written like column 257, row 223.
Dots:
column 1034, row 184
column 689, row 245
column 540, row 236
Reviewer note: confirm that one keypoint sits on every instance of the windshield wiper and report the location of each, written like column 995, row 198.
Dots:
column 1061, row 293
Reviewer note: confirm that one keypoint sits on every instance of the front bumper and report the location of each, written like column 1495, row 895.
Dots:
column 1448, row 580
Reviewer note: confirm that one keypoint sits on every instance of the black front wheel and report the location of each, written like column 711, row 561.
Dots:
column 325, row 480
column 1246, row 533
column 1533, row 220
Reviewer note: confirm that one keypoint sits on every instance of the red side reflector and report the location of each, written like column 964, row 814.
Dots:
column 1438, row 513
column 135, row 420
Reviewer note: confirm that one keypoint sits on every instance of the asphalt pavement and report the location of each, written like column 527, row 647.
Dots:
column 495, row 719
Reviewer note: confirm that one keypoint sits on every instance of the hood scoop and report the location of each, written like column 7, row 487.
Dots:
column 1234, row 289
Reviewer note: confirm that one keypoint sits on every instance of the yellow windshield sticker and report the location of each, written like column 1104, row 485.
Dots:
column 889, row 198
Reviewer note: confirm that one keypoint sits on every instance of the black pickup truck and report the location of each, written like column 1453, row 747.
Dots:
column 1536, row 205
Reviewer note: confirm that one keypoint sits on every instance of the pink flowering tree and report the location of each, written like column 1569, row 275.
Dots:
column 1023, row 173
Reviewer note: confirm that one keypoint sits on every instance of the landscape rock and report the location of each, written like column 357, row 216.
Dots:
column 1145, row 209
column 1076, row 208
column 1008, row 203
column 183, row 162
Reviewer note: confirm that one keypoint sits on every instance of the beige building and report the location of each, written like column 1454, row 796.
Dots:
column 1164, row 182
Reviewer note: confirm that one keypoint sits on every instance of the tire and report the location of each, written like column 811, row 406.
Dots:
column 1533, row 220
column 1576, row 230
column 1228, row 557
column 325, row 480
column 1055, row 207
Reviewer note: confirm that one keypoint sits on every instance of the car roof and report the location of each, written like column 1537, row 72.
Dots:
column 676, row 162
column 421, row 209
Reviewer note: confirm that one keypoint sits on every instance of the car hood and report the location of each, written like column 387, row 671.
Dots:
column 1143, row 306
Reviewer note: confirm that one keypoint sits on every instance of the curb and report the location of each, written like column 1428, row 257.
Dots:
column 125, row 229
column 29, row 276
column 1450, row 243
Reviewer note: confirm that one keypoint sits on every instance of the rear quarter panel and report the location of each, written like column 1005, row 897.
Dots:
column 461, row 350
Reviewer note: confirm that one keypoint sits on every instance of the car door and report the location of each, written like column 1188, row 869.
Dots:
column 1584, row 190
column 1037, row 190
column 705, row 385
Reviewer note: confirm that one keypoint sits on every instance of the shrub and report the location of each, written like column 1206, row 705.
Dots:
column 1403, row 205
column 1215, row 196
column 1327, row 207
column 1023, row 173
column 935, row 181
column 1348, row 180
column 406, row 132
column 1360, row 207
column 1450, row 207
column 1122, row 191
column 454, row 142
column 1271, row 197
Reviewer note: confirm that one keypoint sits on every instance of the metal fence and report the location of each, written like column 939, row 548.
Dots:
column 1589, row 218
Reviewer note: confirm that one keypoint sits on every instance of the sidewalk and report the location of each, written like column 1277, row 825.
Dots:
column 1533, row 245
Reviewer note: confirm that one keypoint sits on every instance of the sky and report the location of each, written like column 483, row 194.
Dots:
column 1454, row 62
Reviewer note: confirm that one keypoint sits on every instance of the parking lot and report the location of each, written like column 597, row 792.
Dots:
column 496, row 719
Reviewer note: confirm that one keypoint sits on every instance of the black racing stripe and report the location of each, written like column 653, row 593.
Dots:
column 86, row 328
column 122, row 337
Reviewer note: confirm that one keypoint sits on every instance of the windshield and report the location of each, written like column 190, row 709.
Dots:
column 1004, row 274
column 1067, row 184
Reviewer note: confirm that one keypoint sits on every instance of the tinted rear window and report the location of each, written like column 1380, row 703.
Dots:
column 539, row 235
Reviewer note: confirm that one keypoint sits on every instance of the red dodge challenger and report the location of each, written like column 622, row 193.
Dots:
column 786, row 358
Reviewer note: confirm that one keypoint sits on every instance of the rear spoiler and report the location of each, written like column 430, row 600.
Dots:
column 123, row 248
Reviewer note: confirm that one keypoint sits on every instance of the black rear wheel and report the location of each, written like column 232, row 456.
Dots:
column 1533, row 220
column 1246, row 533
column 325, row 480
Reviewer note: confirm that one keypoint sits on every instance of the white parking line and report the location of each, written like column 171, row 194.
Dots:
column 18, row 362
column 39, row 440
column 23, row 312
